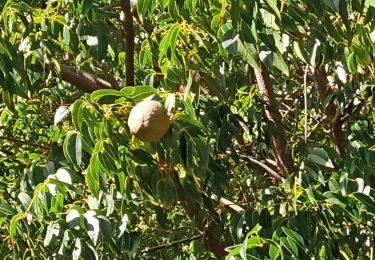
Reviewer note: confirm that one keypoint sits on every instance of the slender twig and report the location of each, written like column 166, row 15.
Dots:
column 23, row 142
column 181, row 241
column 244, row 195
column 264, row 166
column 144, row 25
column 305, row 98
column 110, row 6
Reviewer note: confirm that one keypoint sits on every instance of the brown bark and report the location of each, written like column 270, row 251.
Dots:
column 210, row 228
column 84, row 80
column 334, row 116
column 129, row 42
column 279, row 141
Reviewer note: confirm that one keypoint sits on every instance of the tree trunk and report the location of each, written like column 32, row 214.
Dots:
column 271, row 108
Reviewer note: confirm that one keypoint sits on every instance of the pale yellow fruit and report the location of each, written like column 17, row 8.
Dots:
column 149, row 121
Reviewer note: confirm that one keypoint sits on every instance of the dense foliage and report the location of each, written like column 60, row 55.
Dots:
column 270, row 154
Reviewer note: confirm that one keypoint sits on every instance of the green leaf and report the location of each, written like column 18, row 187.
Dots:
column 252, row 218
column 24, row 199
column 297, row 238
column 290, row 246
column 230, row 41
column 64, row 176
column 249, row 54
column 244, row 248
column 73, row 147
column 265, row 219
column 247, row 51
column 188, row 104
column 138, row 93
column 66, row 36
column 145, row 54
column 73, row 218
column 105, row 228
column 215, row 21
column 173, row 39
column 142, row 157
column 279, row 63
column 274, row 252
column 191, row 5
column 253, row 242
column 92, row 225
column 255, row 230
column 92, row 175
column 76, row 109
column 366, row 200
column 183, row 148
column 214, row 87
column 236, row 227
column 272, row 4
column 14, row 224
column 61, row 112
column 301, row 53
column 7, row 209
column 332, row 4
column 142, row 8
column 173, row 9
column 52, row 232
column 174, row 74
column 166, row 192
column 106, row 96
column 320, row 156
column 352, row 63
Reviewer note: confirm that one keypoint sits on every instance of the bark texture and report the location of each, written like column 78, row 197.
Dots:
column 271, row 108
column 210, row 228
column 129, row 42
column 334, row 116
column 84, row 80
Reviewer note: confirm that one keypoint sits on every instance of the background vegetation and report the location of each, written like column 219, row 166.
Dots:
column 271, row 150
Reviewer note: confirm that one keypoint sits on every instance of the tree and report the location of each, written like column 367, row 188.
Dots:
column 270, row 154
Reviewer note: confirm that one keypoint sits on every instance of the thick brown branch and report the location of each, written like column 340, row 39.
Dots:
column 270, row 171
column 334, row 116
column 279, row 141
column 129, row 42
column 84, row 80
column 229, row 204
column 211, row 229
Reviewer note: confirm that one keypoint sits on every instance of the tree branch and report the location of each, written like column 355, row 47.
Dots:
column 211, row 229
column 279, row 141
column 110, row 7
column 305, row 100
column 145, row 25
column 264, row 166
column 23, row 142
column 333, row 113
column 229, row 204
column 181, row 241
column 129, row 42
column 84, row 80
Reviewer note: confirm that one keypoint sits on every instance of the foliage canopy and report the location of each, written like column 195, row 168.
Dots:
column 270, row 154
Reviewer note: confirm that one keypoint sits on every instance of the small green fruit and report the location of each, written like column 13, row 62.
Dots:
column 149, row 121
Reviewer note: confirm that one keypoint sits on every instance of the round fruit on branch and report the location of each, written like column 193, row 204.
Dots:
column 149, row 121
